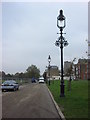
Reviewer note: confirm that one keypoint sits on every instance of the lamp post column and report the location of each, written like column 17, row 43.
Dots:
column 62, row 81
column 49, row 60
column 49, row 73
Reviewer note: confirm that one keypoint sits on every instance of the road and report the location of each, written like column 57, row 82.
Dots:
column 0, row 104
column 31, row 101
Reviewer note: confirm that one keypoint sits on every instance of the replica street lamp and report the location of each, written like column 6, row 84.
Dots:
column 49, row 60
column 61, row 42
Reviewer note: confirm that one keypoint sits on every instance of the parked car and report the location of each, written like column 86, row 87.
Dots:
column 34, row 80
column 10, row 85
column 41, row 80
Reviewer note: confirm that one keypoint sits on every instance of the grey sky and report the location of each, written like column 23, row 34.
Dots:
column 29, row 32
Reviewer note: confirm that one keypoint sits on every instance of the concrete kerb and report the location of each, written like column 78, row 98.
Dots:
column 56, row 105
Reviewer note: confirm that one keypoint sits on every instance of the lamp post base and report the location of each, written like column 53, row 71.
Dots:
column 62, row 90
column 49, row 82
column 62, row 95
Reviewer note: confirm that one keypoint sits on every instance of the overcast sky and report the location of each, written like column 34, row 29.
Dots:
column 29, row 31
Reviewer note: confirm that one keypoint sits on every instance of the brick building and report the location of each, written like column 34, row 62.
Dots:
column 81, row 69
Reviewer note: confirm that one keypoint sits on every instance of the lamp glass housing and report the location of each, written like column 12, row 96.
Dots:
column 61, row 24
column 61, row 20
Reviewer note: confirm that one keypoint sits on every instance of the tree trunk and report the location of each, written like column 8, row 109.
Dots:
column 69, row 84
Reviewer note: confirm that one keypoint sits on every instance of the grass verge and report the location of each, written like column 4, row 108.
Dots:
column 75, row 102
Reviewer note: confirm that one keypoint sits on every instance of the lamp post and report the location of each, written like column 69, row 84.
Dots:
column 61, row 42
column 49, row 60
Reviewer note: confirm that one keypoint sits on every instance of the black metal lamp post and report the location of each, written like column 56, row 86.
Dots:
column 61, row 42
column 49, row 60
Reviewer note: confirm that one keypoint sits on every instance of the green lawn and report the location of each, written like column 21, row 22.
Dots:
column 75, row 102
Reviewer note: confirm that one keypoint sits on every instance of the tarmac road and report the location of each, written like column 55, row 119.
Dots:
column 31, row 101
column 0, row 104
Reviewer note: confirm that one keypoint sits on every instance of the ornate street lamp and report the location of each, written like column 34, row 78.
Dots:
column 49, row 60
column 61, row 42
column 61, row 23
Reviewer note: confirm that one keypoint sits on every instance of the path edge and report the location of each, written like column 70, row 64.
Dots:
column 56, row 105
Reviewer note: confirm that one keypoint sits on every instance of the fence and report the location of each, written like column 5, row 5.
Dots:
column 19, row 80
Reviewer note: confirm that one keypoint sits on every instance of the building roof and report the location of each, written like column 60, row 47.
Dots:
column 82, row 61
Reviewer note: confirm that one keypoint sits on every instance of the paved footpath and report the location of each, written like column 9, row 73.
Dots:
column 31, row 101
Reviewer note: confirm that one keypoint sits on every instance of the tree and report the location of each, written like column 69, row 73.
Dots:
column 21, row 75
column 3, row 74
column 45, row 76
column 9, row 75
column 70, row 73
column 33, row 71
column 16, row 75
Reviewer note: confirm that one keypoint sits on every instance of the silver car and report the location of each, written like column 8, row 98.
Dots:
column 10, row 85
